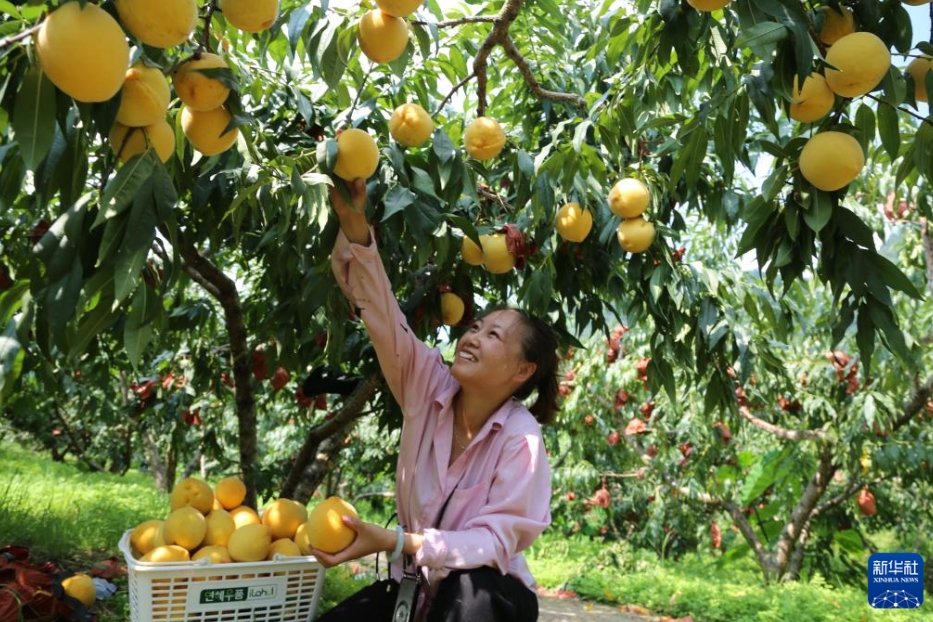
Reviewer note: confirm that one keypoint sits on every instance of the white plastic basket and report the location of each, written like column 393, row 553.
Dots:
column 284, row 590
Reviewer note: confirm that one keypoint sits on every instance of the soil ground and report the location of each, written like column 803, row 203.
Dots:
column 554, row 609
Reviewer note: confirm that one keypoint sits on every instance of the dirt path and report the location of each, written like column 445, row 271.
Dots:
column 553, row 609
column 573, row 609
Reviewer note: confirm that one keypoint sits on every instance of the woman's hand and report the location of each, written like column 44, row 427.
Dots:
column 349, row 203
column 370, row 538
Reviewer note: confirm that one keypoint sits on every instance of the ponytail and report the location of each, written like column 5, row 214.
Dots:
column 539, row 345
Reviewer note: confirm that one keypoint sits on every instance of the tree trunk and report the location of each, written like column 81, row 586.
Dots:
column 324, row 463
column 224, row 290
column 156, row 466
column 193, row 466
column 313, row 447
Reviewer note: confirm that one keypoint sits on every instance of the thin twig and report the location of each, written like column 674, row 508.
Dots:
column 927, row 248
column 484, row 191
column 359, row 93
column 20, row 36
column 499, row 31
column 479, row 19
column 206, row 35
column 790, row 435
column 451, row 94
column 908, row 111
column 525, row 69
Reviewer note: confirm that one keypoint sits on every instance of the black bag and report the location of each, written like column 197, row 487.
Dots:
column 410, row 586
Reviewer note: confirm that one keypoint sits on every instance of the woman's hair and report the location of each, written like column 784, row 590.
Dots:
column 539, row 345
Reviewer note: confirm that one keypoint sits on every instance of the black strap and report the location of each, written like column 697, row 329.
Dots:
column 408, row 560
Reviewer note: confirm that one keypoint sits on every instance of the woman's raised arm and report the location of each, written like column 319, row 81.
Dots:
column 349, row 203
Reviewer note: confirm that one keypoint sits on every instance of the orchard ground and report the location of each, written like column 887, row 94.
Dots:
column 558, row 609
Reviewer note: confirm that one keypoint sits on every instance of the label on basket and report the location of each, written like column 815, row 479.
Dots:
column 235, row 594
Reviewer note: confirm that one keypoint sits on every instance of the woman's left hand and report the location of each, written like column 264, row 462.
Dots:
column 370, row 538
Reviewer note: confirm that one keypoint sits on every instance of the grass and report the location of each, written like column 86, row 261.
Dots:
column 695, row 586
column 77, row 518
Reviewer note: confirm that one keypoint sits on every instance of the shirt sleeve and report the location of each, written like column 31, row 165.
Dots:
column 515, row 513
column 410, row 367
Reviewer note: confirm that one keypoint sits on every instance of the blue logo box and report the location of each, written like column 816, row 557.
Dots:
column 895, row 580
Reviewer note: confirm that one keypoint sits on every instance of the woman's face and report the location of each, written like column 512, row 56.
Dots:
column 490, row 352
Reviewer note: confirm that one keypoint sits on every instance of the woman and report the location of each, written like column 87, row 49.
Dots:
column 473, row 484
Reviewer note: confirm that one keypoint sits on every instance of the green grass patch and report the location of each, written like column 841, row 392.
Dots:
column 695, row 586
column 62, row 512
column 77, row 518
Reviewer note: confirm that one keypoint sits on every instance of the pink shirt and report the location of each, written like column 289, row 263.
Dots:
column 503, row 487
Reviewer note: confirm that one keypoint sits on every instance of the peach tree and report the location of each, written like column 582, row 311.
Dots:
column 210, row 259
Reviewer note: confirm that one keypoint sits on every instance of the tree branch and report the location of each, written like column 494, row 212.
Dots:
column 351, row 409
column 747, row 531
column 790, row 435
column 927, row 246
column 793, row 528
column 224, row 290
column 199, row 278
column 525, row 69
column 499, row 31
column 20, row 36
column 74, row 442
column 451, row 94
column 850, row 489
column 478, row 19
column 484, row 191
column 915, row 403
column 208, row 16
column 906, row 111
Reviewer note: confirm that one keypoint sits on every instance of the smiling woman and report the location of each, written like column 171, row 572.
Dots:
column 473, row 482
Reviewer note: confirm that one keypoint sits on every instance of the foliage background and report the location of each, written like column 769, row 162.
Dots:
column 146, row 308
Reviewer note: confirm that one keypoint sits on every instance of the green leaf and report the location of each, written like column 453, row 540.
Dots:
column 893, row 276
column 443, row 147
column 12, row 356
column 820, row 211
column 422, row 220
column 126, row 272
column 137, row 331
column 327, row 154
column 59, row 246
column 333, row 57
column 579, row 134
column 111, row 239
column 11, row 300
column 865, row 335
column 123, row 188
column 164, row 196
column 140, row 228
column 883, row 318
column 762, row 475
column 537, row 291
column 696, row 153
column 34, row 117
column 422, row 182
column 91, row 325
column 397, row 199
column 849, row 540
column 61, row 298
column 761, row 36
column 135, row 340
column 865, row 122
column 888, row 130
column 296, row 24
